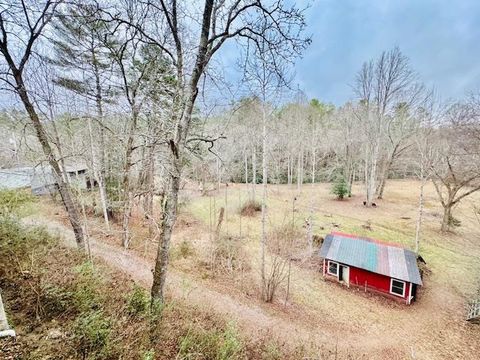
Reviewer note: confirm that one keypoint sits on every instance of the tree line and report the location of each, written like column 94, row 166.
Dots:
column 147, row 58
column 394, row 127
column 117, row 85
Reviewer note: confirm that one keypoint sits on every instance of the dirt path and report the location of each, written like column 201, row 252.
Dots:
column 258, row 322
column 254, row 321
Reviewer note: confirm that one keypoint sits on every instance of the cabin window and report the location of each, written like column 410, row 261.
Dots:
column 397, row 287
column 332, row 268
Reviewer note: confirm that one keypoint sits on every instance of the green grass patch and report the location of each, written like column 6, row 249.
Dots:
column 211, row 344
column 16, row 202
column 92, row 331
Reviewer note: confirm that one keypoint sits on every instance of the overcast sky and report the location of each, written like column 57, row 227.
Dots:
column 441, row 38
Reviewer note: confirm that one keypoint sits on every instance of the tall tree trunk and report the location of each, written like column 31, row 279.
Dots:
column 254, row 172
column 63, row 187
column 371, row 172
column 418, row 225
column 99, row 169
column 246, row 166
column 447, row 215
column 373, row 175
column 381, row 185
column 104, row 163
column 61, row 160
column 169, row 217
column 96, row 175
column 383, row 178
column 103, row 198
column 182, row 112
column 99, row 105
column 351, row 180
column 385, row 171
column 127, row 191
column 219, row 223
column 150, row 187
column 349, row 169
column 264, row 202
column 367, row 179
column 313, row 164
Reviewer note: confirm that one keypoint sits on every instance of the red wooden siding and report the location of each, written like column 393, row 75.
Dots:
column 378, row 282
column 373, row 281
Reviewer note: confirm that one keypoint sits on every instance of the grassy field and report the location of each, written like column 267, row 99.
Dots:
column 452, row 257
column 363, row 321
column 320, row 318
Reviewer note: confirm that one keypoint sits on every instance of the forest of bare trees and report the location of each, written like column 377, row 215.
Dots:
column 121, row 87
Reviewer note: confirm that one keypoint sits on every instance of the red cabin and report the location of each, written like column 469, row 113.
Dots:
column 371, row 265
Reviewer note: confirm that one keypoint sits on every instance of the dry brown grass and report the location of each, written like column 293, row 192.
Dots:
column 367, row 322
column 41, row 287
column 329, row 315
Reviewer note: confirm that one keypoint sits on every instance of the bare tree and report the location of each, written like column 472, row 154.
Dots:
column 456, row 174
column 26, row 21
column 382, row 86
column 350, row 146
column 220, row 21
column 471, row 123
column 401, row 126
column 424, row 141
column 132, row 69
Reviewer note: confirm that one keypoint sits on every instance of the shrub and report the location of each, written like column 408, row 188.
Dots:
column 148, row 355
column 452, row 221
column 157, row 309
column 138, row 301
column 229, row 255
column 231, row 346
column 211, row 344
column 12, row 201
column 55, row 300
column 340, row 188
column 92, row 334
column 286, row 240
column 271, row 352
column 250, row 208
column 20, row 241
column 184, row 249
column 86, row 295
column 112, row 187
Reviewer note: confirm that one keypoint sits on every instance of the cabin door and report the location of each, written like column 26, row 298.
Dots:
column 345, row 274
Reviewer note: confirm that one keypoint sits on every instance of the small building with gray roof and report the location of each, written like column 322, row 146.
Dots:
column 371, row 265
column 41, row 179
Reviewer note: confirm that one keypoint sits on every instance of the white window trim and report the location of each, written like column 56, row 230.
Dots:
column 328, row 268
column 404, row 287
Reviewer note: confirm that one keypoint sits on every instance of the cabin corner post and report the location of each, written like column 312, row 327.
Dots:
column 410, row 294
column 409, row 297
column 323, row 267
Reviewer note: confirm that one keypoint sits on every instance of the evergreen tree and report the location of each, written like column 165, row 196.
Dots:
column 81, row 54
column 340, row 187
column 83, row 63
